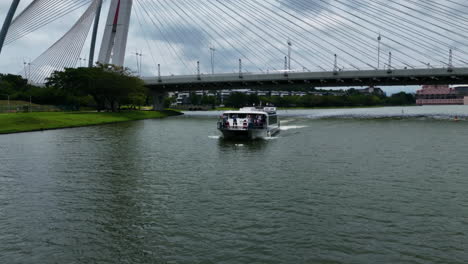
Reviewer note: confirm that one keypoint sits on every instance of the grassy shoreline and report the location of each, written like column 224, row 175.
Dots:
column 28, row 122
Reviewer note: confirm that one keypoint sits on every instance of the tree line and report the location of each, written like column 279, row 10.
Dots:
column 349, row 99
column 105, row 87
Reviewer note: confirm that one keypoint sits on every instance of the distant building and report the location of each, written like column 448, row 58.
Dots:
column 442, row 95
column 182, row 98
column 371, row 90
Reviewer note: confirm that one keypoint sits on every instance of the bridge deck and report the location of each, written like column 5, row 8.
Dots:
column 293, row 80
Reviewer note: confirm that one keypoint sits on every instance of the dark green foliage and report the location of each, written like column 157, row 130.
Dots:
column 241, row 99
column 107, row 87
column 168, row 101
column 209, row 100
column 401, row 98
column 350, row 99
column 195, row 99
column 110, row 86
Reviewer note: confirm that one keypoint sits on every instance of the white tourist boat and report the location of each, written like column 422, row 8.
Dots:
column 250, row 123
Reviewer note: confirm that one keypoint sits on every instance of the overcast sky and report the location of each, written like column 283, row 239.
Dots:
column 178, row 33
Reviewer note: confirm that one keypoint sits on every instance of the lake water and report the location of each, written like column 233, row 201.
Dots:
column 376, row 185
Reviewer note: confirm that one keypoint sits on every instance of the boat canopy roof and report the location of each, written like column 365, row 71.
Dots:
column 254, row 111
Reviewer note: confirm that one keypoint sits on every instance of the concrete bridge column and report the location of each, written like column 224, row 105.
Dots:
column 158, row 100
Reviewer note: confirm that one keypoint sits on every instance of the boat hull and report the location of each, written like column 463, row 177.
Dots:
column 249, row 134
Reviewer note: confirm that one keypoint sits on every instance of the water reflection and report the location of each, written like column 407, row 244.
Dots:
column 234, row 144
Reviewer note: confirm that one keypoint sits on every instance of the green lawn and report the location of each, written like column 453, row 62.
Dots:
column 23, row 122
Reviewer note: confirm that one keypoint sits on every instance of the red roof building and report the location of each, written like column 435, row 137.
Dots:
column 439, row 95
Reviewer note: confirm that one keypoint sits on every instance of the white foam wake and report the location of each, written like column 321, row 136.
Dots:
column 285, row 128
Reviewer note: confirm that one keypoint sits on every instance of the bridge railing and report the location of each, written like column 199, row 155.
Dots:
column 276, row 72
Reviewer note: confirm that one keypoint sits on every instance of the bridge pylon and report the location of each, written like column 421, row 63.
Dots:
column 8, row 19
column 115, row 37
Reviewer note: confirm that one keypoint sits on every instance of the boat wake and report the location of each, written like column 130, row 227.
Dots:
column 447, row 117
column 459, row 113
column 214, row 137
column 286, row 128
column 287, row 121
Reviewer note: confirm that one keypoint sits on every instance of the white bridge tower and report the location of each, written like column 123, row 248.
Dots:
column 115, row 37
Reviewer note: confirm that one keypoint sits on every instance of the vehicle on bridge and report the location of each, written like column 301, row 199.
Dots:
column 249, row 123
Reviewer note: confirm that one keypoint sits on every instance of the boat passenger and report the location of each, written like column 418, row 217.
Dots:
column 234, row 120
column 225, row 121
column 244, row 125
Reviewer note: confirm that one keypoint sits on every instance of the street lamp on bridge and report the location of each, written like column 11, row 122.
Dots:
column 379, row 39
column 289, row 54
column 82, row 60
column 212, row 52
column 27, row 69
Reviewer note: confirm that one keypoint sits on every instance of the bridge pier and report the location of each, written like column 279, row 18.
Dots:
column 158, row 100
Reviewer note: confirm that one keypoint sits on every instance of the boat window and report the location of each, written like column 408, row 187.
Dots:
column 238, row 116
column 273, row 119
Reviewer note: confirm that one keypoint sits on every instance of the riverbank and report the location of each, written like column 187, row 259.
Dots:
column 26, row 122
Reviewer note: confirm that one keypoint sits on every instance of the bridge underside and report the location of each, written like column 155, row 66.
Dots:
column 307, row 80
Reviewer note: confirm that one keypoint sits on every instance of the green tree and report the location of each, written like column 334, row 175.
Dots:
column 109, row 85
column 209, row 100
column 237, row 100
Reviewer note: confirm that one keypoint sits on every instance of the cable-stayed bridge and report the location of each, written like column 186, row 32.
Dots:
column 294, row 80
column 221, row 44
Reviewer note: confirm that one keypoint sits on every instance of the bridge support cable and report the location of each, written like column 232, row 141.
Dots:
column 180, row 32
column 204, row 34
column 210, row 34
column 145, row 35
column 444, row 24
column 344, row 24
column 61, row 56
column 405, row 50
column 240, row 43
column 452, row 17
column 328, row 37
column 436, row 33
column 370, row 24
column 421, row 35
column 40, row 13
column 255, row 29
column 359, row 39
column 322, row 34
column 46, row 12
column 159, row 25
column 292, row 31
column 275, row 39
column 165, row 48
column 287, row 32
column 66, row 51
column 261, row 37
column 457, row 3
column 207, row 38
column 378, row 17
